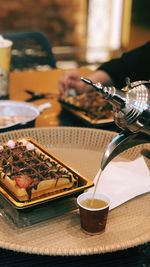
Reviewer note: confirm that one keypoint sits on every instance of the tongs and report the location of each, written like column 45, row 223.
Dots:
column 37, row 95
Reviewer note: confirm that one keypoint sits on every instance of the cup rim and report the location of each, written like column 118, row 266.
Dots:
column 90, row 194
column 8, row 43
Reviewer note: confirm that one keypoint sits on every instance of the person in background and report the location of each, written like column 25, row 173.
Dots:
column 134, row 64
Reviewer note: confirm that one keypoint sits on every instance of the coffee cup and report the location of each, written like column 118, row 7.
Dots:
column 5, row 58
column 93, row 212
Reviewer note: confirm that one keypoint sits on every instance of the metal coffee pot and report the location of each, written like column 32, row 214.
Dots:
column 131, row 112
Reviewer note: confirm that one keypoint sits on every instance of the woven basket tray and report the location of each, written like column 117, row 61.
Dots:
column 81, row 148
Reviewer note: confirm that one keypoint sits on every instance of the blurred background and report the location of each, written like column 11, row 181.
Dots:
column 81, row 32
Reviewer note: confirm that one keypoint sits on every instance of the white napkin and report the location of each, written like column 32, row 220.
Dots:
column 122, row 181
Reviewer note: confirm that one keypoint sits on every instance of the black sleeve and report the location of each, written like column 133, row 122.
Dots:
column 134, row 64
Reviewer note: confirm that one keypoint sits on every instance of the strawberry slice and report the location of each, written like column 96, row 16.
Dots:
column 23, row 181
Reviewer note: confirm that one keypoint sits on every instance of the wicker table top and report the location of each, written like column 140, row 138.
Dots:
column 128, row 225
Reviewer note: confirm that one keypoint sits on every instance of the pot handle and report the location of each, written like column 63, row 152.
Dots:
column 43, row 106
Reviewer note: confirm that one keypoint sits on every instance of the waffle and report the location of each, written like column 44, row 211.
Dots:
column 27, row 172
column 93, row 103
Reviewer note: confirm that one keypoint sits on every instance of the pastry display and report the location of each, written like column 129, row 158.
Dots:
column 28, row 172
column 92, row 103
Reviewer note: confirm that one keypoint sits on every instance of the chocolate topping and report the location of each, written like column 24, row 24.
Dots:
column 94, row 105
column 20, row 161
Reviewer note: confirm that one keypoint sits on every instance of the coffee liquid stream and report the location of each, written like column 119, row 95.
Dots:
column 92, row 199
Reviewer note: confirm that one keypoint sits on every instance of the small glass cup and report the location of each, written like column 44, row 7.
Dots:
column 93, row 220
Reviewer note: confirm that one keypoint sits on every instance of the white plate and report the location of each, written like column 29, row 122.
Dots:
column 15, row 113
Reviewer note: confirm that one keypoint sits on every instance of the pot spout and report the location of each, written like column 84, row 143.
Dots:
column 122, row 142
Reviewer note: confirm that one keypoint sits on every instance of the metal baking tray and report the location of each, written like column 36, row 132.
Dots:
column 84, row 183
column 84, row 116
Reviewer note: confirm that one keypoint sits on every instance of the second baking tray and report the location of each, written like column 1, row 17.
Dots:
column 85, row 117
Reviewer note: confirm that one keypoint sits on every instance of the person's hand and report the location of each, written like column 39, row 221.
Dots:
column 72, row 80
